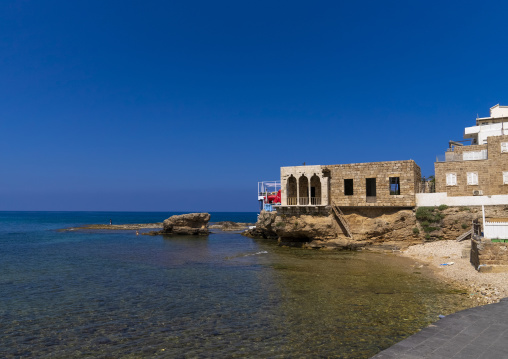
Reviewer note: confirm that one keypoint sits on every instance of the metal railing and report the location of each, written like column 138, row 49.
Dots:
column 427, row 187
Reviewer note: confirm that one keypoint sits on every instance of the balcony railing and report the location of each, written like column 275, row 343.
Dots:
column 304, row 201
column 450, row 156
column 292, row 201
column 315, row 201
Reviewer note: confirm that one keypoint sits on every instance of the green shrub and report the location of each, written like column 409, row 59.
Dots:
column 427, row 236
column 416, row 231
column 464, row 226
column 279, row 224
column 428, row 214
column 442, row 207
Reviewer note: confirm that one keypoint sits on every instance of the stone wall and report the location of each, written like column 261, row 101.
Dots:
column 304, row 210
column 487, row 256
column 490, row 171
column 408, row 172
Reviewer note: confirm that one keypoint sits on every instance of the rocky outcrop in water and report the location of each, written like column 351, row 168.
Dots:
column 264, row 226
column 186, row 224
column 230, row 226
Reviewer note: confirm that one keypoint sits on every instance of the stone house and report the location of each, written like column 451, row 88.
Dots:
column 479, row 169
column 373, row 184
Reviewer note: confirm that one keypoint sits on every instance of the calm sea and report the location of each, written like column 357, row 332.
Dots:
column 111, row 294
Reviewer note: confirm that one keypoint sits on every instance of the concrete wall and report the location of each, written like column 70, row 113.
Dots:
column 437, row 199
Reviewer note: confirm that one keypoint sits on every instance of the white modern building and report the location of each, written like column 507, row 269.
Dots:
column 495, row 125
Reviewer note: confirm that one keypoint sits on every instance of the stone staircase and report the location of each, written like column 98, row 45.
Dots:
column 464, row 235
column 342, row 220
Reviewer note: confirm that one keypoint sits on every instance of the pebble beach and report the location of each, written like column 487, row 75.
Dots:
column 483, row 288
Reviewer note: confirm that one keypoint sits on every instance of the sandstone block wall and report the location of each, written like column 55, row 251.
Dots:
column 490, row 171
column 408, row 172
column 489, row 256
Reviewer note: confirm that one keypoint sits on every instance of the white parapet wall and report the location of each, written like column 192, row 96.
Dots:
column 496, row 230
column 437, row 199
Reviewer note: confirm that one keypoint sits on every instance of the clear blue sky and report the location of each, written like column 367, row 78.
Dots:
column 184, row 106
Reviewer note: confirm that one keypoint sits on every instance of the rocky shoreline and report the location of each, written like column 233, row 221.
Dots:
column 427, row 235
column 397, row 227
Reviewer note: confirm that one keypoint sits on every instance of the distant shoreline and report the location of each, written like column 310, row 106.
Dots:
column 133, row 226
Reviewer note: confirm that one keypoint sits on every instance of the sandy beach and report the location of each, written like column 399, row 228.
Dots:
column 483, row 288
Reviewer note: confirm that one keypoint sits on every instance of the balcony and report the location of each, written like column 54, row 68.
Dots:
column 450, row 156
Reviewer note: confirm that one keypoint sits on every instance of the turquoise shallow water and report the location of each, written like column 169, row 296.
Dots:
column 109, row 294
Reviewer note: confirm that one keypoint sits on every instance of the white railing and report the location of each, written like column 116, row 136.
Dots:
column 304, row 201
column 315, row 201
column 450, row 156
column 474, row 155
column 496, row 230
column 292, row 201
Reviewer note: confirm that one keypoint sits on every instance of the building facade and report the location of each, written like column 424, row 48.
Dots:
column 479, row 169
column 373, row 184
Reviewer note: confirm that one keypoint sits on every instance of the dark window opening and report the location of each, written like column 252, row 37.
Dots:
column 394, row 185
column 313, row 191
column 370, row 184
column 348, row 187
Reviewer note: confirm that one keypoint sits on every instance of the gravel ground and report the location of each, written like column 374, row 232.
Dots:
column 484, row 288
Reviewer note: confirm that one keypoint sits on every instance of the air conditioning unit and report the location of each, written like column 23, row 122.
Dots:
column 477, row 193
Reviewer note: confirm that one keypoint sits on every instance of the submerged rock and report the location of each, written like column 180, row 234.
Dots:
column 186, row 224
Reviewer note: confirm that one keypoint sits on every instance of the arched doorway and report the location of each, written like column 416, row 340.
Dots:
column 292, row 193
column 315, row 191
column 303, row 190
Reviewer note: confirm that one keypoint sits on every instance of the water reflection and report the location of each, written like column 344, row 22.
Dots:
column 353, row 304
column 122, row 295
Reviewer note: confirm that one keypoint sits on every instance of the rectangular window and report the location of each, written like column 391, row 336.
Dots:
column 451, row 179
column 370, row 184
column 394, row 185
column 348, row 187
column 504, row 146
column 505, row 177
column 472, row 178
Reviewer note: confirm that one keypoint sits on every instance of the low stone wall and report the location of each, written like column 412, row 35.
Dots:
column 488, row 256
column 304, row 210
